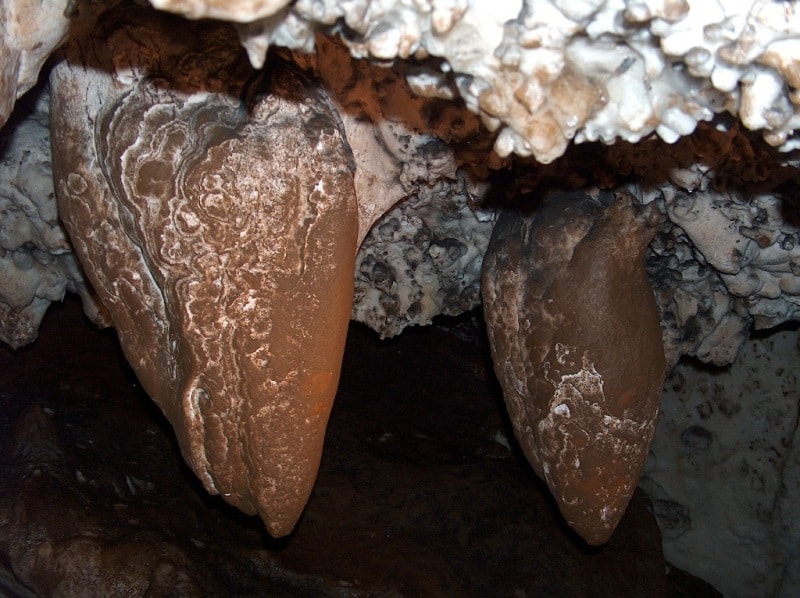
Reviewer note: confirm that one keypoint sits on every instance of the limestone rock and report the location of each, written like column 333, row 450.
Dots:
column 403, row 143
column 723, row 471
column 37, row 265
column 422, row 259
column 214, row 212
column 29, row 32
column 577, row 347
column 553, row 72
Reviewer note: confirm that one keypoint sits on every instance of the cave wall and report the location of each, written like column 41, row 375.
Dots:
column 723, row 469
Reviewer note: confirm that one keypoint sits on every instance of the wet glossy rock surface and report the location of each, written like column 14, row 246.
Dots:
column 415, row 495
column 226, row 269
column 577, row 347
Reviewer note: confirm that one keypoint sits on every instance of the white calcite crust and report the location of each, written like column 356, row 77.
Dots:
column 545, row 72
column 755, row 251
column 422, row 259
column 724, row 469
column 37, row 265
column 539, row 73
column 239, row 10
column 29, row 31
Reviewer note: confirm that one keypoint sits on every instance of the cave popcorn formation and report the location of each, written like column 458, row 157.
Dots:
column 411, row 162
column 543, row 73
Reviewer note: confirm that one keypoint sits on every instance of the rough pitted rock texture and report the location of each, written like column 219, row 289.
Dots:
column 723, row 262
column 422, row 259
column 724, row 469
column 753, row 242
column 37, row 265
column 214, row 210
column 416, row 496
column 577, row 347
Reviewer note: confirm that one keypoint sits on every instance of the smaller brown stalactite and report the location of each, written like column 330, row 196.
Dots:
column 577, row 347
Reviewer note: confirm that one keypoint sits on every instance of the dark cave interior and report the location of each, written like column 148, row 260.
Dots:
column 422, row 489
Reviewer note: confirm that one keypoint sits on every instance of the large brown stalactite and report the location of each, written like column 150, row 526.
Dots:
column 577, row 347
column 220, row 234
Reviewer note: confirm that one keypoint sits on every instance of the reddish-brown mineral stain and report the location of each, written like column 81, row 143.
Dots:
column 220, row 233
column 577, row 347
